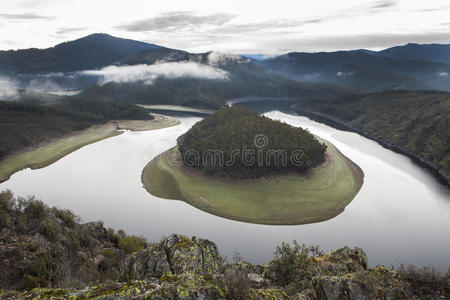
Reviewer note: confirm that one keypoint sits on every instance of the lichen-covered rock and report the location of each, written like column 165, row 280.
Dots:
column 377, row 283
column 192, row 255
column 150, row 262
column 257, row 281
column 341, row 261
column 112, row 291
column 268, row 294
column 245, row 267
column 176, row 254
column 190, row 286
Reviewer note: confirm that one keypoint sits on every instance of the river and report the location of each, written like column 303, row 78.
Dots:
column 401, row 214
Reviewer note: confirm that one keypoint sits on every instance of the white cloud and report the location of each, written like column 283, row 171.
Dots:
column 149, row 73
column 216, row 58
column 40, row 85
column 344, row 74
column 443, row 74
column 8, row 89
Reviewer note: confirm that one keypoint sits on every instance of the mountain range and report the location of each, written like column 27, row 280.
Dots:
column 371, row 71
column 412, row 66
column 293, row 75
column 439, row 53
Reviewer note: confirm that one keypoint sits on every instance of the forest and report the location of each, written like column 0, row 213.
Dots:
column 28, row 124
column 238, row 142
column 417, row 122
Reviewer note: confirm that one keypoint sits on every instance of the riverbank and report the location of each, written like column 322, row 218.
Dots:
column 341, row 125
column 177, row 108
column 290, row 199
column 47, row 153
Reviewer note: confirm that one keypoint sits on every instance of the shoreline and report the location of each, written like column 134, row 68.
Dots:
column 291, row 199
column 49, row 152
column 177, row 108
column 339, row 124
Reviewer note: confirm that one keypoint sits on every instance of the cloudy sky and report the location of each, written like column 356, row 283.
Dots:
column 235, row 26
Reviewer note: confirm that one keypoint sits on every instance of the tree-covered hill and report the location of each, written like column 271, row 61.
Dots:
column 439, row 53
column 417, row 122
column 90, row 52
column 245, row 78
column 29, row 124
column 271, row 146
column 359, row 69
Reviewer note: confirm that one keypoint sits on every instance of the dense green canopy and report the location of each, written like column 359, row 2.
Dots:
column 238, row 142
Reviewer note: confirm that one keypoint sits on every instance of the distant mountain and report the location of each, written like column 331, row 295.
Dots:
column 361, row 69
column 431, row 52
column 161, row 54
column 245, row 78
column 90, row 52
column 255, row 56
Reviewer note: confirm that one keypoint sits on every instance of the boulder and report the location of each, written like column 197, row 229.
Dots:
column 175, row 254
column 377, row 283
column 341, row 261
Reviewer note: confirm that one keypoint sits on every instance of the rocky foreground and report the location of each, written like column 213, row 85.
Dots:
column 46, row 254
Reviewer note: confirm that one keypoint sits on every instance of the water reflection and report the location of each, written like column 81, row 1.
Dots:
column 400, row 214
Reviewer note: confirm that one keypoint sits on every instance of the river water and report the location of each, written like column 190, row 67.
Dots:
column 401, row 214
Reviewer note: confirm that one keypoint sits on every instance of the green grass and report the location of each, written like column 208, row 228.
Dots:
column 178, row 108
column 46, row 154
column 159, row 122
column 290, row 199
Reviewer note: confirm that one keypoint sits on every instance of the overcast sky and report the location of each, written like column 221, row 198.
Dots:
column 236, row 26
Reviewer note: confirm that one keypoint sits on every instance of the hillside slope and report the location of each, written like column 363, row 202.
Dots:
column 28, row 124
column 90, row 52
column 415, row 123
column 359, row 69
column 431, row 52
column 245, row 78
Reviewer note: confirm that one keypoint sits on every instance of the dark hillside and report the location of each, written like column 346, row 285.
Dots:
column 28, row 124
column 417, row 122
column 90, row 52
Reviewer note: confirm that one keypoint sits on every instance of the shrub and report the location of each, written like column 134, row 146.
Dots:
column 85, row 237
column 67, row 216
column 49, row 229
column 73, row 239
column 131, row 244
column 7, row 203
column 291, row 267
column 5, row 220
column 424, row 281
column 43, row 271
column 110, row 260
column 237, row 285
column 121, row 233
column 112, row 236
column 35, row 209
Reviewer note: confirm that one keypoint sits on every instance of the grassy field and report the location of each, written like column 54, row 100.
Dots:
column 159, row 122
column 46, row 154
column 178, row 108
column 319, row 195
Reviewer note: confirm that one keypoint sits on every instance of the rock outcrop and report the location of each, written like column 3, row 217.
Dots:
column 176, row 255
